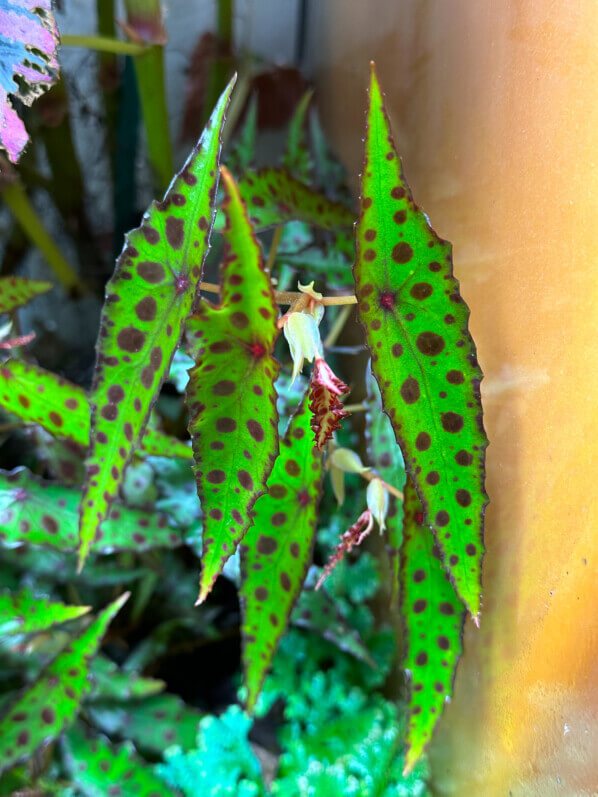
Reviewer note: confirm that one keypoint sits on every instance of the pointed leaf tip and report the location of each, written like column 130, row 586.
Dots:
column 231, row 397
column 150, row 295
column 416, row 327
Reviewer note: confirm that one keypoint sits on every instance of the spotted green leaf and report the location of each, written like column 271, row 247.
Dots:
column 386, row 458
column 43, row 513
column 23, row 613
column 43, row 709
column 17, row 291
column 152, row 291
column 230, row 395
column 108, row 681
column 62, row 408
column 318, row 612
column 99, row 768
column 273, row 196
column 152, row 724
column 277, row 550
column 433, row 618
column 422, row 354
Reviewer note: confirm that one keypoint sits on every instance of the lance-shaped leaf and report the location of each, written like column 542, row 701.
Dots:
column 152, row 724
column 18, row 291
column 151, row 293
column 387, row 460
column 318, row 612
column 296, row 158
column 22, row 613
column 42, row 710
column 273, row 196
column 230, row 395
column 62, row 408
column 42, row 513
column 28, row 42
column 433, row 617
column 242, row 151
column 277, row 550
column 99, row 768
column 422, row 354
column 108, row 681
column 331, row 175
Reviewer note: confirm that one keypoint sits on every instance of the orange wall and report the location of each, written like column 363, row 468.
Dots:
column 495, row 110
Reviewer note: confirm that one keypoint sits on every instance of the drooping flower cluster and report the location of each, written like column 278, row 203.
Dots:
column 354, row 535
column 300, row 327
column 341, row 461
column 324, row 402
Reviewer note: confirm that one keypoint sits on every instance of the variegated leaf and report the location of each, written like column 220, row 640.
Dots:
column 23, row 613
column 62, row 408
column 277, row 550
column 151, row 293
column 99, row 768
column 45, row 708
column 230, row 395
column 422, row 354
column 433, row 618
column 18, row 291
column 42, row 513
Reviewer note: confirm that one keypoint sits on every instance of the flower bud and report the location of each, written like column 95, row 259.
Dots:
column 348, row 461
column 377, row 501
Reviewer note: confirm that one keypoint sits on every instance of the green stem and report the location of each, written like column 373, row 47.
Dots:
column 274, row 248
column 108, row 77
column 149, row 69
column 17, row 200
column 103, row 44
column 144, row 18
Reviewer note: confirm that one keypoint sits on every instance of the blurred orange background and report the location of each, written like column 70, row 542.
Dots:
column 494, row 107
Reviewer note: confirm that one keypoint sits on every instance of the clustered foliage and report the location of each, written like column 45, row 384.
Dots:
column 251, row 496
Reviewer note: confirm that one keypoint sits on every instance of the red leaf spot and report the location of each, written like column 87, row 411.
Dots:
column 387, row 300
column 303, row 498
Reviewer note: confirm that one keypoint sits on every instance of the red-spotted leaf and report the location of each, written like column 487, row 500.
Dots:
column 45, row 708
column 324, row 402
column 422, row 354
column 28, row 42
column 62, row 408
column 151, row 293
column 231, row 397
column 273, row 196
column 99, row 768
column 23, row 613
column 152, row 724
column 277, row 549
column 18, row 291
column 42, row 513
column 433, row 618
column 386, row 459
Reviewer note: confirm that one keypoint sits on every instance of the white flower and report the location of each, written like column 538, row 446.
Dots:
column 303, row 336
column 377, row 500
